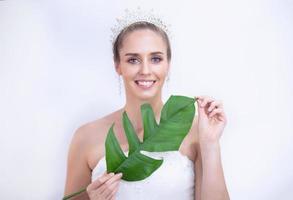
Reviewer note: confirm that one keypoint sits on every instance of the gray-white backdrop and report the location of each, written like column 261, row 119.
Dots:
column 56, row 73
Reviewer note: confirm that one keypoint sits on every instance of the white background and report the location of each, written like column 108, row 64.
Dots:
column 56, row 73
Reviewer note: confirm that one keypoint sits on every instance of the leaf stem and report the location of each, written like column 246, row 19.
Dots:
column 74, row 194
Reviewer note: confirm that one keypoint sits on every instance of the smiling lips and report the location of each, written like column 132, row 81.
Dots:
column 145, row 84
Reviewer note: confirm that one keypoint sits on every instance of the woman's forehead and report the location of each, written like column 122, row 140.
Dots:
column 142, row 41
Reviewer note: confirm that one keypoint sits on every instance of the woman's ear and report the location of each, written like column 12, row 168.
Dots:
column 117, row 68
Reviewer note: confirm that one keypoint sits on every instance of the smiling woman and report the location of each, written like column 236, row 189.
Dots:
column 142, row 56
column 144, row 62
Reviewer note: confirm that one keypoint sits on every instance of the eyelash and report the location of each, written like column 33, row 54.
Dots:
column 157, row 58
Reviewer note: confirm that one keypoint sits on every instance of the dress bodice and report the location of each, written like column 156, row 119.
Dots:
column 173, row 180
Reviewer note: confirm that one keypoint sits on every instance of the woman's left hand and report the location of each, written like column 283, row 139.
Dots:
column 211, row 119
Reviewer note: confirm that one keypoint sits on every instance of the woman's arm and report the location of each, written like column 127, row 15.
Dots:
column 78, row 172
column 212, row 179
column 198, row 173
column 210, row 182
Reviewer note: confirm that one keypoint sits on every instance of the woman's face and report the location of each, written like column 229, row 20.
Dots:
column 143, row 64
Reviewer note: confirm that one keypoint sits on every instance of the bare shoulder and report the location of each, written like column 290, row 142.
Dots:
column 95, row 129
column 85, row 150
column 90, row 137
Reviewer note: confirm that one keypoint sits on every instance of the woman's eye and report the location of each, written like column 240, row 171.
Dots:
column 156, row 59
column 133, row 60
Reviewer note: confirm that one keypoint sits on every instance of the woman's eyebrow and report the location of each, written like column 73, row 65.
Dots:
column 136, row 54
column 131, row 54
column 157, row 52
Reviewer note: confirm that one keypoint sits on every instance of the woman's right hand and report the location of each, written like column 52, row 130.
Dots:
column 105, row 187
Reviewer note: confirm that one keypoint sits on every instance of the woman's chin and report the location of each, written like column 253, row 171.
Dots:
column 146, row 96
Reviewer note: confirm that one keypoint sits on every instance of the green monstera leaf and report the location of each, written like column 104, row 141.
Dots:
column 175, row 122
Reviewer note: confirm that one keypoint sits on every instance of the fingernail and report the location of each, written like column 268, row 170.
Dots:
column 120, row 174
column 111, row 174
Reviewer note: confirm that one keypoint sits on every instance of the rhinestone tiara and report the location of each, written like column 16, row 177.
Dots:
column 138, row 15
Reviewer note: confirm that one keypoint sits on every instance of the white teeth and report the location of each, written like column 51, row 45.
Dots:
column 145, row 83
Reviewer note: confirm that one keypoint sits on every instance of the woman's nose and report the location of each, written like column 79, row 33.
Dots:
column 145, row 67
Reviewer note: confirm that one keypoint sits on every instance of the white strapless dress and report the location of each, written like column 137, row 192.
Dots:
column 173, row 180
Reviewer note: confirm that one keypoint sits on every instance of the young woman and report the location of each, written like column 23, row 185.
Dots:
column 142, row 56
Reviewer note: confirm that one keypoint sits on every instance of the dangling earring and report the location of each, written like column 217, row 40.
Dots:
column 119, row 84
column 167, row 81
column 168, row 77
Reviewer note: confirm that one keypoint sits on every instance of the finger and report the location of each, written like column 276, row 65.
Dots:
column 113, row 194
column 216, row 111
column 113, row 179
column 110, row 188
column 97, row 183
column 223, row 117
column 201, row 113
column 205, row 100
column 215, row 104
column 202, row 108
column 202, row 97
column 108, row 184
column 198, row 100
